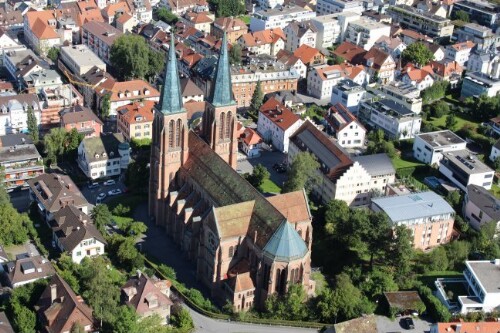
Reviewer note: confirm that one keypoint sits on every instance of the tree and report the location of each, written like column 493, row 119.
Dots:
column 136, row 228
column 302, row 173
column 121, row 210
column 377, row 282
column 105, row 105
column 418, row 54
column 291, row 306
column 438, row 259
column 226, row 8
column 162, row 13
column 77, row 328
column 454, row 198
column 128, row 321
column 461, row 15
column 101, row 217
column 32, row 125
column 53, row 54
column 257, row 99
column 376, row 234
column 335, row 60
column 235, row 54
column 15, row 228
column 337, row 214
column 401, row 252
column 440, row 109
column 73, row 140
column 132, row 58
column 181, row 318
column 496, row 163
column 24, row 318
column 54, row 143
column 435, row 92
column 259, row 176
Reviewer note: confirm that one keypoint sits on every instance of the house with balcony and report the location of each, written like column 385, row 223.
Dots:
column 14, row 112
column 269, row 41
column 495, row 149
column 402, row 93
column 349, row 94
column 481, row 207
column 322, row 79
column 53, row 101
column 481, row 11
column 421, row 78
column 99, row 37
column 105, row 156
column 325, row 7
column 54, row 191
column 459, row 52
column 83, row 120
column 19, row 159
column 463, row 168
column 430, row 147
column 300, row 33
column 135, row 121
column 250, row 142
column 279, row 17
column 364, row 32
column 477, row 84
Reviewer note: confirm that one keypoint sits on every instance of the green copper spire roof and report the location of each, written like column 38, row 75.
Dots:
column 285, row 244
column 222, row 90
column 171, row 97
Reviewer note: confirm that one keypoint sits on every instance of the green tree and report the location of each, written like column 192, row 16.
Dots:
column 55, row 143
column 32, row 125
column 257, row 99
column 53, row 54
column 105, row 105
column 121, row 210
column 101, row 217
column 454, row 198
column 435, row 92
column 496, row 163
column 24, row 318
column 290, row 306
column 377, row 282
column 462, row 16
column 235, row 54
column 401, row 252
column 259, row 176
column 132, row 58
column 335, row 60
column 226, row 8
column 127, row 321
column 181, row 318
column 440, row 109
column 77, row 328
column 337, row 214
column 15, row 228
column 162, row 13
column 438, row 259
column 303, row 173
column 136, row 228
column 418, row 54
column 73, row 140
column 376, row 234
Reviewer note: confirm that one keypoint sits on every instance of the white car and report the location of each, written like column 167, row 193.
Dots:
column 101, row 196
column 109, row 182
column 115, row 192
column 93, row 185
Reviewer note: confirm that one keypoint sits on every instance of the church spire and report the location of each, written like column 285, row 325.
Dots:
column 171, row 96
column 222, row 90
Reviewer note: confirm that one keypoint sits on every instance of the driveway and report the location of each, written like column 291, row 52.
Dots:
column 385, row 324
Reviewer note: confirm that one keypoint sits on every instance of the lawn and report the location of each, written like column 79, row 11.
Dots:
column 400, row 163
column 495, row 190
column 245, row 18
column 461, row 121
column 269, row 187
column 429, row 278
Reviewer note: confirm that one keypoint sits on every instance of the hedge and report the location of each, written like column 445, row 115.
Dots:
column 436, row 309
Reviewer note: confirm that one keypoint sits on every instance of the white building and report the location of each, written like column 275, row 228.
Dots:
column 329, row 30
column 104, row 156
column 395, row 120
column 269, row 41
column 300, row 33
column 402, row 93
column 250, row 143
column 74, row 232
column 463, row 169
column 346, row 128
column 430, row 147
column 14, row 112
column 480, row 35
column 459, row 52
column 476, row 84
column 486, row 62
column 322, row 79
column 481, row 207
column 79, row 59
column 279, row 17
column 419, row 78
column 276, row 124
column 349, row 94
column 342, row 178
column 495, row 151
column 270, row 3
column 393, row 46
column 325, row 7
column 365, row 32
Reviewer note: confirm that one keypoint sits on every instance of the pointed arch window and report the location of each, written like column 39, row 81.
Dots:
column 222, row 128
column 229, row 126
column 171, row 134
column 178, row 131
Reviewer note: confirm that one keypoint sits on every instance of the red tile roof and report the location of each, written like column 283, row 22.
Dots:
column 350, row 52
column 230, row 24
column 250, row 137
column 131, row 113
column 307, row 54
column 376, row 56
column 279, row 114
column 463, row 46
column 445, row 69
column 263, row 37
column 481, row 327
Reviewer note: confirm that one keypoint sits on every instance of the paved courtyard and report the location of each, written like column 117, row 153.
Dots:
column 267, row 159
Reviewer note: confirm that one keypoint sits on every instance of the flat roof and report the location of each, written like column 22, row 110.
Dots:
column 441, row 138
column 283, row 10
column 82, row 55
column 413, row 206
column 19, row 153
column 467, row 162
column 487, row 272
column 482, row 78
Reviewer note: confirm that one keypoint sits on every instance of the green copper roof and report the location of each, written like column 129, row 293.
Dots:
column 286, row 244
column 222, row 91
column 171, row 98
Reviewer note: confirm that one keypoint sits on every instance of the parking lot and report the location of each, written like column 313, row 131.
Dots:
column 91, row 194
column 267, row 159
column 386, row 325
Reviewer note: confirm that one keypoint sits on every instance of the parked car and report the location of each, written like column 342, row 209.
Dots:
column 93, row 185
column 408, row 323
column 109, row 182
column 115, row 192
column 101, row 196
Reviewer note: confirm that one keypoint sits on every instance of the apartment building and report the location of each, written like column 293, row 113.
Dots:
column 478, row 34
column 53, row 101
column 481, row 207
column 424, row 22
column 79, row 59
column 276, row 123
column 364, row 32
column 395, row 120
column 430, row 147
column 279, row 17
column 459, row 52
column 381, row 66
column 429, row 217
column 269, row 41
column 83, row 119
column 14, row 112
column 481, row 11
column 342, row 178
column 325, row 7
column 329, row 30
column 42, row 32
column 99, row 37
column 349, row 94
column 19, row 159
column 104, row 156
column 322, row 79
column 232, row 26
column 476, row 84
column 405, row 94
column 346, row 128
column 135, row 121
column 486, row 62
column 463, row 169
column 300, row 33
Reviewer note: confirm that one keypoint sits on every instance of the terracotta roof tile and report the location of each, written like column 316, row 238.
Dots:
column 131, row 113
column 263, row 37
column 350, row 52
column 292, row 205
column 39, row 24
column 229, row 24
column 250, row 137
column 445, row 69
column 279, row 114
column 481, row 327
column 307, row 54
column 463, row 46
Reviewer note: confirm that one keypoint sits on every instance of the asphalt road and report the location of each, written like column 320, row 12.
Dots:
column 91, row 194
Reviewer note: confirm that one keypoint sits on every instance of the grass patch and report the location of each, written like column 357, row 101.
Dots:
column 129, row 200
column 398, row 162
column 495, row 190
column 461, row 119
column 270, row 187
column 429, row 278
column 245, row 18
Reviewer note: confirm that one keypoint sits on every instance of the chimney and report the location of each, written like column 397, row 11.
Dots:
column 458, row 328
column 53, row 293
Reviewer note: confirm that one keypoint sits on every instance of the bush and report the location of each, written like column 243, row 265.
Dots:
column 436, row 309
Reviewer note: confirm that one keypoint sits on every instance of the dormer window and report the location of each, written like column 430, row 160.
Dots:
column 96, row 156
column 146, row 92
column 104, row 155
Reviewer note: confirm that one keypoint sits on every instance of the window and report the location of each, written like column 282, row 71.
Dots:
column 171, row 134
column 231, row 251
column 78, row 254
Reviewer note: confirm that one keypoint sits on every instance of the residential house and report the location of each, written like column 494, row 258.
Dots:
column 190, row 91
column 232, row 26
column 188, row 61
column 486, row 62
column 425, row 22
column 11, row 20
column 73, row 232
column 325, row 7
column 461, row 326
column 364, row 32
column 201, row 21
column 309, row 56
column 125, row 23
column 481, row 207
column 146, row 298
column 346, row 128
column 90, row 83
column 430, row 147
column 480, row 11
column 41, row 30
column 494, row 125
column 459, row 52
column 276, row 123
column 447, row 71
column 83, row 119
column 104, row 156
column 179, row 7
column 349, row 52
column 289, row 60
column 482, row 36
column 342, row 178
column 19, row 159
column 476, row 84
column 115, row 9
column 394, row 46
column 54, row 191
column 300, row 33
column 8, row 42
column 26, row 269
column 279, row 17
column 380, row 65
column 322, row 79
column 268, row 41
column 36, row 81
column 250, row 143
column 405, row 94
column 135, row 121
column 421, row 78
column 463, row 169
column 14, row 112
column 99, row 37
column 428, row 215
column 60, row 309
column 79, row 59
column 495, row 149
column 331, row 28
column 53, row 101
column 348, row 94
column 394, row 119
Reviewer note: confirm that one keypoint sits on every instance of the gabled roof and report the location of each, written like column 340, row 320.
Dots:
column 306, row 53
column 263, row 37
column 299, row 29
column 117, row 7
column 285, row 245
column 79, row 114
column 377, row 58
column 350, row 52
column 445, row 69
column 189, row 88
column 144, row 89
column 229, row 24
column 293, row 205
column 102, row 30
column 142, row 290
column 339, row 117
column 137, row 112
column 417, row 74
column 251, row 137
column 241, row 282
column 197, row 18
column 38, row 22
column 376, row 164
column 103, row 147
column 61, row 313
column 29, row 269
column 279, row 114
